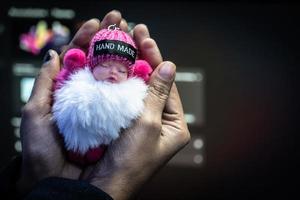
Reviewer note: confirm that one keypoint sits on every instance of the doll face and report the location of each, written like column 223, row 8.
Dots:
column 110, row 71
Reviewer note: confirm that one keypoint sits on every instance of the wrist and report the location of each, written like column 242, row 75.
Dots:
column 114, row 184
column 119, row 184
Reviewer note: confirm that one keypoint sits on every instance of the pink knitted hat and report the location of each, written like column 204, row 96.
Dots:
column 112, row 44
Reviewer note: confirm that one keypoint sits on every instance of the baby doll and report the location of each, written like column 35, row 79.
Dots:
column 98, row 95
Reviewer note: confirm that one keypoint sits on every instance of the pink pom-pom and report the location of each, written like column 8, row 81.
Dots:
column 74, row 59
column 93, row 155
column 76, row 157
column 142, row 69
column 90, row 157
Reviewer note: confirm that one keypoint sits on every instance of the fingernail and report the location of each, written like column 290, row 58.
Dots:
column 95, row 19
column 167, row 71
column 148, row 43
column 48, row 56
column 115, row 10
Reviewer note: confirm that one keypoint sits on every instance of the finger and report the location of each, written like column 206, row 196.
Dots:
column 113, row 17
column 83, row 36
column 140, row 33
column 149, row 51
column 42, row 89
column 159, row 87
column 123, row 25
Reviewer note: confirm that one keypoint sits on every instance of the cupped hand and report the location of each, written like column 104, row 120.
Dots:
column 42, row 147
column 155, row 137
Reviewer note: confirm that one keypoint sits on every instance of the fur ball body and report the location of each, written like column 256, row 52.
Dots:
column 90, row 113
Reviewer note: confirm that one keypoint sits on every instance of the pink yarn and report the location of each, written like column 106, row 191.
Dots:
column 60, row 78
column 109, row 34
column 142, row 69
column 74, row 59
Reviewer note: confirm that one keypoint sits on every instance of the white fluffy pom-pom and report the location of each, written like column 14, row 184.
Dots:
column 89, row 112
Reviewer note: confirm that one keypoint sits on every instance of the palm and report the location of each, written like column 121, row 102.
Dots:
column 172, row 119
column 43, row 154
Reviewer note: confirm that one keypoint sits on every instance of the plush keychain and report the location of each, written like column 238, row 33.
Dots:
column 98, row 95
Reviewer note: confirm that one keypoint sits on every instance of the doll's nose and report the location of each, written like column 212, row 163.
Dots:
column 113, row 70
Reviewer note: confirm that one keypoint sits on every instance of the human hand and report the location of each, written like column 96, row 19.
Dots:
column 154, row 138
column 42, row 148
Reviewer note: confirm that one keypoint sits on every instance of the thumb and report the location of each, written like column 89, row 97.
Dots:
column 160, row 84
column 42, row 88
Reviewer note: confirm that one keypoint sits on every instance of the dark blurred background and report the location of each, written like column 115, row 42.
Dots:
column 237, row 75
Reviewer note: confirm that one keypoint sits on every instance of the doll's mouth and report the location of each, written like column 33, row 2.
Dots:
column 112, row 80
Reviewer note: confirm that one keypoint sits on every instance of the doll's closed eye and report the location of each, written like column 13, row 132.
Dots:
column 123, row 71
column 104, row 66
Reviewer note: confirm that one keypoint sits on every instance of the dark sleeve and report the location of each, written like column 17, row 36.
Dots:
column 55, row 188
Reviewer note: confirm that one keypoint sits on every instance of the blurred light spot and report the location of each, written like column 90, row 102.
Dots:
column 17, row 132
column 26, row 85
column 25, row 69
column 62, row 13
column 189, row 77
column 189, row 118
column 131, row 25
column 198, row 143
column 18, row 146
column 198, row 159
column 15, row 121
column 28, row 12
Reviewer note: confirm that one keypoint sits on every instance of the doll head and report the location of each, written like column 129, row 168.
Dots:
column 111, row 71
column 111, row 55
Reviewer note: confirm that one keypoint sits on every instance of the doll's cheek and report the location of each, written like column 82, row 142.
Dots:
column 97, row 73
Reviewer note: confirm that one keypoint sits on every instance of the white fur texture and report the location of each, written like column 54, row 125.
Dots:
column 90, row 112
